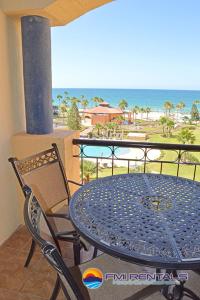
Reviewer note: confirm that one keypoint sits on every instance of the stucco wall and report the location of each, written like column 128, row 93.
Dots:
column 11, row 118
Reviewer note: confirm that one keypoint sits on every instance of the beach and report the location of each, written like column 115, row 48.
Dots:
column 155, row 116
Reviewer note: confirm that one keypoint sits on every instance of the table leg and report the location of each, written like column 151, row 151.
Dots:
column 177, row 291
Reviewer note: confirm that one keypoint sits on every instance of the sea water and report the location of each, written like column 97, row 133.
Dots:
column 140, row 97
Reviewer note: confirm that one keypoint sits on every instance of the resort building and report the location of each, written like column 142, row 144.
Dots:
column 102, row 114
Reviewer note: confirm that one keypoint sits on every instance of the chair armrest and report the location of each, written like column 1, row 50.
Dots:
column 65, row 233
column 74, row 239
column 74, row 182
column 58, row 215
column 67, row 239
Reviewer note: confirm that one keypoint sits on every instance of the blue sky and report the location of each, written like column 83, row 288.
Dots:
column 130, row 44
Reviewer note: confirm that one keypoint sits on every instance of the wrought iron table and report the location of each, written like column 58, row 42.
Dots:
column 149, row 219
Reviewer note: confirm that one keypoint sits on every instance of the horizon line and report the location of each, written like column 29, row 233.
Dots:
column 110, row 88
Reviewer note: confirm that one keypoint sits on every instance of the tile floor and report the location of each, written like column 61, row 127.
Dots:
column 36, row 282
column 18, row 283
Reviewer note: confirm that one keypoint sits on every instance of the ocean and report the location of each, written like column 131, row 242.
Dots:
column 140, row 97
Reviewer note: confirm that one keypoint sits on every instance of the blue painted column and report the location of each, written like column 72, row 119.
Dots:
column 36, row 47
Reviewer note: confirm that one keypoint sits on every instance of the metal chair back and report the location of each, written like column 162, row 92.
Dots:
column 44, row 173
column 35, row 220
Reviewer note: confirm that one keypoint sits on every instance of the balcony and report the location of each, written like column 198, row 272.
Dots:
column 32, row 283
column 159, row 158
column 27, row 128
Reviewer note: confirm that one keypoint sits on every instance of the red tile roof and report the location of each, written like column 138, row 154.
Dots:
column 103, row 110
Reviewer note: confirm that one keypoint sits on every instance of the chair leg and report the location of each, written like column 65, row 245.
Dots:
column 190, row 294
column 178, row 292
column 30, row 255
column 95, row 252
column 77, row 252
column 56, row 289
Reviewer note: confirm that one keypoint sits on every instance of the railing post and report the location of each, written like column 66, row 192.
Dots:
column 81, row 152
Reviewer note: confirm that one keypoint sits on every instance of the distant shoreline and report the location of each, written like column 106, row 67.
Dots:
column 137, row 89
column 153, row 98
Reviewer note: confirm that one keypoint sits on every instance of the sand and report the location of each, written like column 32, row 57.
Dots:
column 155, row 115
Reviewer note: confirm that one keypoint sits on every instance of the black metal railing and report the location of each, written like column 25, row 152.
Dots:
column 172, row 159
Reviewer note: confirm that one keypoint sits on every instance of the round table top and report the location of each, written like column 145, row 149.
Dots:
column 150, row 219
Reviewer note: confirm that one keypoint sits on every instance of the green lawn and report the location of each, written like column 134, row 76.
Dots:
column 184, row 170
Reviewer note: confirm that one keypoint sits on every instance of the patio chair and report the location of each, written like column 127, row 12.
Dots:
column 69, row 279
column 44, row 172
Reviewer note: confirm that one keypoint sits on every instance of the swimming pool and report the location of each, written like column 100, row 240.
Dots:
column 102, row 151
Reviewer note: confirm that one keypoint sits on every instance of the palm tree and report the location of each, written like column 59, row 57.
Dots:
column 123, row 104
column 100, row 100
column 82, row 97
column 179, row 107
column 97, row 100
column 185, row 136
column 170, row 125
column 168, row 105
column 89, row 168
column 110, row 127
column 75, row 100
column 65, row 99
column 163, row 122
column 196, row 102
column 134, row 111
column 59, row 97
column 98, row 127
column 119, row 118
column 115, row 127
column 182, row 104
column 84, row 103
column 148, row 110
column 142, row 110
column 94, row 99
column 62, row 111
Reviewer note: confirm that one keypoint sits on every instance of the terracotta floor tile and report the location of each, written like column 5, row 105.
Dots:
column 12, row 275
column 41, row 266
column 12, row 255
column 39, row 284
column 8, row 254
column 21, row 239
column 11, row 295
